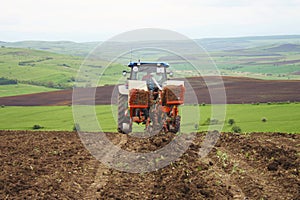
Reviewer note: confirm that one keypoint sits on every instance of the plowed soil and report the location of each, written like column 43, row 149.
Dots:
column 55, row 165
column 238, row 90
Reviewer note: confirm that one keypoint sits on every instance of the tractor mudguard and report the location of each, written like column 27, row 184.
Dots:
column 123, row 90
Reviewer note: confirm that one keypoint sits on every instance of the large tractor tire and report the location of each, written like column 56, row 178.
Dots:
column 124, row 123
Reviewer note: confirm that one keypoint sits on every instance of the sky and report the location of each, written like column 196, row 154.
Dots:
column 99, row 20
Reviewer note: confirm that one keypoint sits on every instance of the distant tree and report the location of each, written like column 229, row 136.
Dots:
column 236, row 129
column 36, row 126
column 6, row 81
column 210, row 121
column 50, row 84
column 231, row 122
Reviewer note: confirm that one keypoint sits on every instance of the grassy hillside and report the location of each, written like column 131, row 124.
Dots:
column 279, row 118
column 42, row 68
column 268, row 57
column 238, row 43
column 60, row 47
column 51, row 70
column 38, row 67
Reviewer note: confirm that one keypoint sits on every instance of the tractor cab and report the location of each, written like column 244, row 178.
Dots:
column 154, row 73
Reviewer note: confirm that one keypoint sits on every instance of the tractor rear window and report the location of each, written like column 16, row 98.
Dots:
column 145, row 73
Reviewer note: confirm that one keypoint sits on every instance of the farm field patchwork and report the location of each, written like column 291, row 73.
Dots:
column 257, row 154
column 35, row 63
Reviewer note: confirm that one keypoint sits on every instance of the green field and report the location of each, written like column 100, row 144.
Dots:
column 38, row 67
column 19, row 89
column 60, row 47
column 280, row 117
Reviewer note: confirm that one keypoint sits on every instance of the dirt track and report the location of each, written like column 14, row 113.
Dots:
column 55, row 165
column 238, row 90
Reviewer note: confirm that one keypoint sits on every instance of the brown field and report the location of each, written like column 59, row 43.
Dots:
column 55, row 165
column 238, row 90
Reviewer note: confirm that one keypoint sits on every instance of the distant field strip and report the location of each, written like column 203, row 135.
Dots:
column 19, row 89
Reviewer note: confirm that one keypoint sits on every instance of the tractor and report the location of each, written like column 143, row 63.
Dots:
column 150, row 97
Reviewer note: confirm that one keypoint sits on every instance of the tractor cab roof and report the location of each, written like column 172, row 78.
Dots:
column 149, row 64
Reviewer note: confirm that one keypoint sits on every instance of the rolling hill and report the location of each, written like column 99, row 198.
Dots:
column 210, row 44
column 60, row 47
column 41, row 66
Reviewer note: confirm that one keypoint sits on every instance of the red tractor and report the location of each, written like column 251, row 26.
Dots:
column 150, row 98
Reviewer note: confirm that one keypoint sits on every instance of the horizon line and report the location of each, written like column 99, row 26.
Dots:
column 204, row 38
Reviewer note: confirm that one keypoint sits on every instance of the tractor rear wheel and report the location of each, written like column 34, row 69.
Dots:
column 124, row 123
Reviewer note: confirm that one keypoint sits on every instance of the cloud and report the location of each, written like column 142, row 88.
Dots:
column 71, row 19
